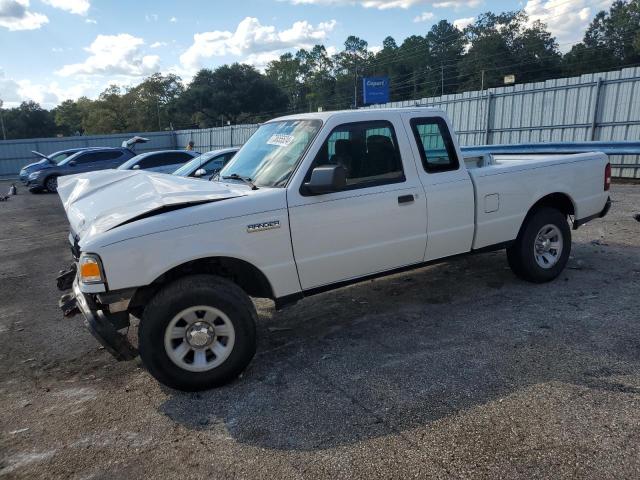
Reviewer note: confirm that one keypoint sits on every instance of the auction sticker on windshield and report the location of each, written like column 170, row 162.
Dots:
column 280, row 140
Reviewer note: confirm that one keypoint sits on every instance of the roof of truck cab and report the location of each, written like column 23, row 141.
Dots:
column 365, row 112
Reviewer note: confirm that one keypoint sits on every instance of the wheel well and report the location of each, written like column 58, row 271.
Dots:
column 245, row 275
column 559, row 201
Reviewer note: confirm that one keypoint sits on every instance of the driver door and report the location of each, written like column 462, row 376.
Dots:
column 376, row 223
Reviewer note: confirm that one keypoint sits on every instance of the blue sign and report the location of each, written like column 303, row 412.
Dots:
column 375, row 90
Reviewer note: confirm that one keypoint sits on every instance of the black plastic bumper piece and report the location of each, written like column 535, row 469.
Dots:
column 603, row 213
column 105, row 332
column 65, row 277
column 69, row 305
column 103, row 326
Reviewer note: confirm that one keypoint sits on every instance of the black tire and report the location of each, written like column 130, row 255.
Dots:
column 51, row 184
column 521, row 255
column 186, row 292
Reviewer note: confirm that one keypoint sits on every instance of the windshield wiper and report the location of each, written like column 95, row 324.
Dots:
column 247, row 180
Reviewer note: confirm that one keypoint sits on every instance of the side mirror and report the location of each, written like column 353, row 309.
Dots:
column 201, row 172
column 326, row 179
column 135, row 167
column 72, row 163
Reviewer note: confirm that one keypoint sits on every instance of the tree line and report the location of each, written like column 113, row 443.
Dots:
column 443, row 61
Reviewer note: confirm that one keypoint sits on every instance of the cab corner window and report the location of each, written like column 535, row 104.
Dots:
column 367, row 150
column 435, row 144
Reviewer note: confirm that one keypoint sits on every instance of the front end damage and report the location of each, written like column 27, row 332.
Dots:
column 105, row 315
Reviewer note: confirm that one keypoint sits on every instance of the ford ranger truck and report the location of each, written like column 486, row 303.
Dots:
column 311, row 202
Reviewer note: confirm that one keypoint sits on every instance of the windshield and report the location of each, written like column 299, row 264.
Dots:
column 132, row 161
column 272, row 153
column 188, row 167
column 69, row 158
column 59, row 157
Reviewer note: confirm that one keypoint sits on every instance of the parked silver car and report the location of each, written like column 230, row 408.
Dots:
column 163, row 161
column 207, row 164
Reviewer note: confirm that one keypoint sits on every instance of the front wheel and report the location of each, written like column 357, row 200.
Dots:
column 51, row 184
column 197, row 333
column 542, row 248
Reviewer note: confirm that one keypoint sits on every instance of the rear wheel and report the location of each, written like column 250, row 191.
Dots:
column 197, row 333
column 542, row 248
column 51, row 184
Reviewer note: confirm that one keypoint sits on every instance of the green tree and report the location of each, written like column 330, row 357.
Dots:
column 286, row 73
column 29, row 120
column 70, row 116
column 110, row 113
column 446, row 46
column 506, row 44
column 236, row 93
column 153, row 102
column 611, row 41
column 316, row 69
column 350, row 66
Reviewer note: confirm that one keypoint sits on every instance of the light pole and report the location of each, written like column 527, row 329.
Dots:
column 4, row 132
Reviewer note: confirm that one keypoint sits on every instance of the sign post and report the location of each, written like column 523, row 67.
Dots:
column 375, row 90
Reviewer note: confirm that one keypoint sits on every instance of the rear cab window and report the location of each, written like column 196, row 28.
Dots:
column 367, row 150
column 435, row 144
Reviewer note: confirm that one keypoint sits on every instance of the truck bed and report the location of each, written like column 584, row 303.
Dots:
column 504, row 186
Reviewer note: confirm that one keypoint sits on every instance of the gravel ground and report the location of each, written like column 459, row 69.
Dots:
column 455, row 370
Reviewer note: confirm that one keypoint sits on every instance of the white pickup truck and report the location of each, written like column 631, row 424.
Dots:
column 311, row 202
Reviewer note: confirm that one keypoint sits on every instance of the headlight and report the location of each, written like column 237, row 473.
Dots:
column 33, row 176
column 90, row 269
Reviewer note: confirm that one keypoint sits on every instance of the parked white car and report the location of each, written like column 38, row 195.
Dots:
column 310, row 203
column 208, row 164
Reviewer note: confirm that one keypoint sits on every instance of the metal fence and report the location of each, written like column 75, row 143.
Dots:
column 596, row 106
column 14, row 154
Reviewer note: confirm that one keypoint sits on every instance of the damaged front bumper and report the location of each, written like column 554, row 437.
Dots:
column 103, row 324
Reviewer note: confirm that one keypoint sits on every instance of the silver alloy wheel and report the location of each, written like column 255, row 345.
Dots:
column 547, row 247
column 52, row 184
column 199, row 338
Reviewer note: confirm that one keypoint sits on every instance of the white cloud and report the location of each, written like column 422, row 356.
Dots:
column 379, row 4
column 158, row 44
column 458, row 4
column 114, row 55
column 15, row 15
column 173, row 20
column 565, row 19
column 424, row 17
column 461, row 23
column 13, row 92
column 9, row 90
column 91, row 20
column 252, row 38
column 77, row 7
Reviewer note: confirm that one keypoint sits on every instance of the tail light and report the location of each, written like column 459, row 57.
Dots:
column 607, row 177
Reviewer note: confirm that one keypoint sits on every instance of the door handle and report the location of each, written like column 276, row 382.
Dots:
column 405, row 199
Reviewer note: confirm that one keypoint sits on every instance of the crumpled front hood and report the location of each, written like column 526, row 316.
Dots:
column 99, row 201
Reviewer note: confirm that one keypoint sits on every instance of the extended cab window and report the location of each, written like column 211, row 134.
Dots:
column 367, row 150
column 435, row 144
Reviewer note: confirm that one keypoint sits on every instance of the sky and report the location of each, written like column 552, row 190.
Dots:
column 53, row 50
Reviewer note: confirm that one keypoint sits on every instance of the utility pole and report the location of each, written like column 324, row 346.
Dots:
column 441, row 80
column 4, row 132
column 482, row 82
